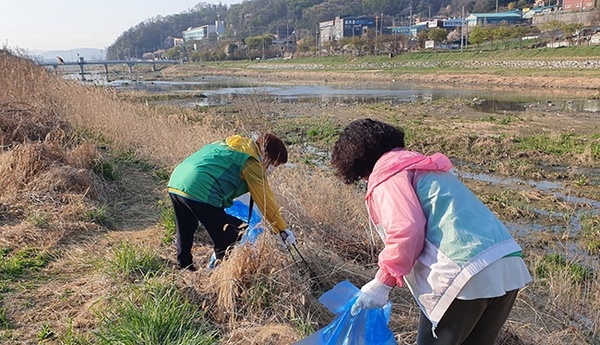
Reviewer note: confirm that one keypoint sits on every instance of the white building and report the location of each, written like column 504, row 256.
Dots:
column 202, row 32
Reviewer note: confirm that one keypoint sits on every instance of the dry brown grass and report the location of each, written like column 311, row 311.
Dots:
column 261, row 294
column 44, row 174
column 325, row 212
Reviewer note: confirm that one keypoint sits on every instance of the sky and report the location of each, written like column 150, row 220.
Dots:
column 43, row 25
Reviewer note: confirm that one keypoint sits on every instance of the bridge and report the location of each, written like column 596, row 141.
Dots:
column 130, row 63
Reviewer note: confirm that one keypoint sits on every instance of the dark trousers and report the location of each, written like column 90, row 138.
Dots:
column 473, row 322
column 222, row 227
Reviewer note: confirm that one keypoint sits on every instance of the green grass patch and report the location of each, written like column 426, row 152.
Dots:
column 318, row 131
column 510, row 205
column 555, row 264
column 45, row 333
column 590, row 233
column 559, row 144
column 428, row 62
column 17, row 263
column 326, row 131
column 107, row 170
column 167, row 220
column 100, row 215
column 135, row 262
column 155, row 315
column 71, row 337
column 4, row 322
column 162, row 174
column 14, row 265
column 303, row 328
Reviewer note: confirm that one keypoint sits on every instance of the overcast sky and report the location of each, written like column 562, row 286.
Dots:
column 67, row 24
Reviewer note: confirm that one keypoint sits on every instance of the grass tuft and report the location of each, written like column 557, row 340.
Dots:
column 155, row 315
column 14, row 265
column 135, row 262
column 167, row 220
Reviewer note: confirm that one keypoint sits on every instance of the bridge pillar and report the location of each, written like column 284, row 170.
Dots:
column 153, row 67
column 81, row 63
column 130, row 65
column 106, row 70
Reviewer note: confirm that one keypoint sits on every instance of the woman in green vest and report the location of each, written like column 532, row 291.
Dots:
column 205, row 183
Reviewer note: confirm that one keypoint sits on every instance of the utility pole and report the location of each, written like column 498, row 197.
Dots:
column 410, row 23
column 317, row 38
column 462, row 29
column 376, row 29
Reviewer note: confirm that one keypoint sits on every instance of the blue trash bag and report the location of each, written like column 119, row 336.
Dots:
column 239, row 209
column 368, row 327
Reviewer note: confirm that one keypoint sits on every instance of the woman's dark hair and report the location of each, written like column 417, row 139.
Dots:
column 360, row 145
column 273, row 149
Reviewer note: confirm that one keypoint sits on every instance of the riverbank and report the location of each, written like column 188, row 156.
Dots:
column 566, row 76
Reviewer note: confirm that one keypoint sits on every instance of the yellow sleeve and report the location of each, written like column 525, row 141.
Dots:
column 259, row 189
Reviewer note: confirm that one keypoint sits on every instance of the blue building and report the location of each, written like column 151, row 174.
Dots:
column 509, row 17
column 410, row 31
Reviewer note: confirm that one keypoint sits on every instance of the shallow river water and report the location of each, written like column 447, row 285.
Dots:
column 218, row 90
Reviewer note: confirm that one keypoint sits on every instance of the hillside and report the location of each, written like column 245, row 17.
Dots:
column 86, row 233
column 259, row 17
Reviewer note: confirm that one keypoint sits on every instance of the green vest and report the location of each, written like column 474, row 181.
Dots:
column 211, row 175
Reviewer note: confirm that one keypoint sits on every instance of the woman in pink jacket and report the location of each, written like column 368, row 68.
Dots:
column 460, row 263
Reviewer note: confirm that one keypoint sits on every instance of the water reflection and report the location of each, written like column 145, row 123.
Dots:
column 554, row 188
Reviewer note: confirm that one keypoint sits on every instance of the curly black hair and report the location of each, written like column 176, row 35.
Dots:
column 360, row 145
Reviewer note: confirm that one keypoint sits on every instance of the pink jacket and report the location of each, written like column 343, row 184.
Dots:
column 396, row 212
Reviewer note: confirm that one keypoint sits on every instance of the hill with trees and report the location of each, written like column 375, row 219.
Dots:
column 256, row 18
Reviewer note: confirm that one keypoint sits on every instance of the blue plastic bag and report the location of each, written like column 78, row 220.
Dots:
column 240, row 209
column 368, row 327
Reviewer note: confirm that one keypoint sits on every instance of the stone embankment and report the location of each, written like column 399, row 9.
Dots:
column 467, row 64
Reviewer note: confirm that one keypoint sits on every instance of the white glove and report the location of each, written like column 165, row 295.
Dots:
column 288, row 237
column 373, row 294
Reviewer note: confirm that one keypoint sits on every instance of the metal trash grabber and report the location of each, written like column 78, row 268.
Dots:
column 284, row 238
column 244, row 226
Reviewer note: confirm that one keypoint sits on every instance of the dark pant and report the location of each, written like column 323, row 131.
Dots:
column 473, row 322
column 222, row 227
